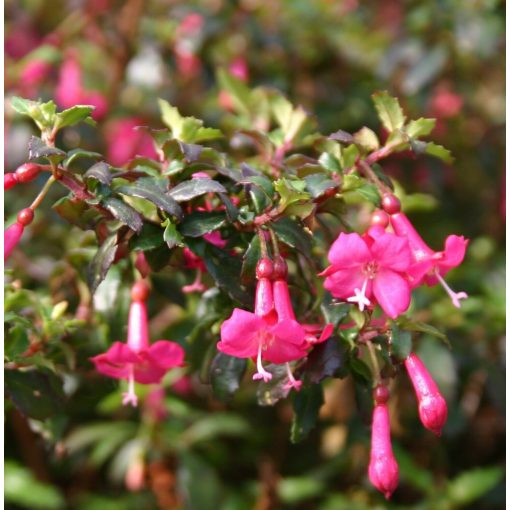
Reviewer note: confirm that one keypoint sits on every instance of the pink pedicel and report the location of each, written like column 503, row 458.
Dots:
column 137, row 360
column 370, row 266
column 430, row 266
column 383, row 468
column 431, row 404
column 262, row 335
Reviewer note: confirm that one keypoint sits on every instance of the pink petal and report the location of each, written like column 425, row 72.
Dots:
column 148, row 370
column 349, row 250
column 392, row 292
column 342, row 283
column 116, row 361
column 454, row 251
column 167, row 354
column 240, row 334
column 392, row 252
column 289, row 342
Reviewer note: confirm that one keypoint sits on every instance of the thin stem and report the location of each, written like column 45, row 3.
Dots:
column 263, row 245
column 40, row 197
column 371, row 175
column 374, row 362
column 274, row 242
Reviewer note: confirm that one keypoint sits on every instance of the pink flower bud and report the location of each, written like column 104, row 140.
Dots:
column 383, row 468
column 138, row 327
column 10, row 180
column 431, row 404
column 11, row 238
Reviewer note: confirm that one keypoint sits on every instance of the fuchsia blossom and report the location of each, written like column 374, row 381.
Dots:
column 431, row 404
column 271, row 333
column 370, row 266
column 430, row 266
column 136, row 360
column 383, row 468
column 13, row 234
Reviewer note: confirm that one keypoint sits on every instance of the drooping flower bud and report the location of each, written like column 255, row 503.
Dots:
column 383, row 468
column 10, row 180
column 431, row 404
column 27, row 172
column 13, row 234
column 138, row 324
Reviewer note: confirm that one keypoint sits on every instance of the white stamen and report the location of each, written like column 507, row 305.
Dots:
column 262, row 373
column 454, row 296
column 130, row 397
column 359, row 296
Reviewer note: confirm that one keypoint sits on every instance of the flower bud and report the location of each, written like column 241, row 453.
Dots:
column 379, row 218
column 390, row 203
column 26, row 216
column 140, row 291
column 27, row 172
column 431, row 404
column 383, row 468
column 280, row 269
column 264, row 268
column 10, row 180
column 11, row 238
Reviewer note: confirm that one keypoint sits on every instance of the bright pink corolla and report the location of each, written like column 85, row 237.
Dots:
column 125, row 141
column 137, row 360
column 431, row 404
column 263, row 334
column 12, row 235
column 383, row 468
column 430, row 266
column 370, row 266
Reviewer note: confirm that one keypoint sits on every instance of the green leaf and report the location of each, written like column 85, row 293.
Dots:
column 36, row 393
column 193, row 188
column 149, row 238
column 291, row 191
column 238, row 91
column 75, row 154
column 329, row 162
column 291, row 120
column 186, row 129
column 43, row 114
column 268, row 394
column 100, row 172
column 438, row 151
column 411, row 325
column 472, row 485
column 171, row 235
column 38, row 149
column 250, row 258
column 389, row 111
column 333, row 312
column 124, row 213
column 16, row 341
column 367, row 139
column 215, row 425
column 199, row 223
column 101, row 262
column 73, row 116
column 306, row 405
column 401, row 342
column 153, row 194
column 77, row 212
column 349, row 155
column 226, row 373
column 24, row 490
column 370, row 193
column 319, row 184
column 420, row 127
column 292, row 234
column 327, row 359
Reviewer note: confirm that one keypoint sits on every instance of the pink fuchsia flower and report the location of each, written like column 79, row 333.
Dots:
column 137, row 360
column 431, row 404
column 383, row 468
column 372, row 266
column 33, row 74
column 13, row 234
column 125, row 141
column 262, row 335
column 430, row 266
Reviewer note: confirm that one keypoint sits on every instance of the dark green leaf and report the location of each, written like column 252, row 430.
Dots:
column 153, row 194
column 149, row 238
column 230, row 208
column 158, row 258
column 471, row 485
column 226, row 373
column 369, row 192
column 16, row 341
column 250, row 258
column 327, row 359
column 306, row 404
column 334, row 313
column 411, row 325
column 101, row 262
column 318, row 184
column 77, row 212
column 75, row 154
column 38, row 149
column 360, row 370
column 401, row 342
column 199, row 223
column 193, row 188
column 36, row 393
column 101, row 172
column 291, row 233
column 124, row 213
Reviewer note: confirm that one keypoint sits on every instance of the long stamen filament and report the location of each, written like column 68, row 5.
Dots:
column 130, row 397
column 293, row 382
column 454, row 296
column 262, row 373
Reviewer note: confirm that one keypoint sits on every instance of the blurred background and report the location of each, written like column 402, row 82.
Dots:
column 443, row 59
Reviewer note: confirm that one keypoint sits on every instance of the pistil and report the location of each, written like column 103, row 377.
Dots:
column 454, row 296
column 359, row 296
column 130, row 397
column 262, row 373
